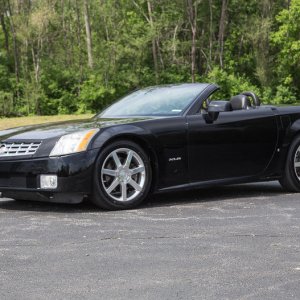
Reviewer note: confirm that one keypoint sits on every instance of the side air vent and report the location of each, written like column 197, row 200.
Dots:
column 17, row 149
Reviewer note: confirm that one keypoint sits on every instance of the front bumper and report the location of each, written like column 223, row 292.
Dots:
column 20, row 179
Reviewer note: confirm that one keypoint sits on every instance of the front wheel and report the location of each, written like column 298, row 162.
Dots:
column 290, row 180
column 122, row 176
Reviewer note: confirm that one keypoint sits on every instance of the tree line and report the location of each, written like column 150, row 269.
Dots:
column 75, row 56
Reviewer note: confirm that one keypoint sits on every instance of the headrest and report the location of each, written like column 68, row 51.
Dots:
column 240, row 102
column 219, row 105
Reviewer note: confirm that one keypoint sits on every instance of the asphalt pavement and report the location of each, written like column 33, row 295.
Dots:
column 237, row 242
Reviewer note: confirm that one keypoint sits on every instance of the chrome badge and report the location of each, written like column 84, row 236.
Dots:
column 174, row 159
column 3, row 149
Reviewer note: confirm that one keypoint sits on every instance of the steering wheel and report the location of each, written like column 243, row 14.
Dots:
column 254, row 97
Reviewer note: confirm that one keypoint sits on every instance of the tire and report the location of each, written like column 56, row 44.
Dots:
column 290, row 180
column 122, row 176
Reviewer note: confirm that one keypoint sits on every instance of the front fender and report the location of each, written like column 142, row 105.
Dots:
column 140, row 135
column 122, row 131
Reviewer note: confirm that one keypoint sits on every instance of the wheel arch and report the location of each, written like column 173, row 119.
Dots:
column 147, row 143
column 291, row 133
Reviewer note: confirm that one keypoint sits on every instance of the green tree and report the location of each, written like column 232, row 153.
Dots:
column 286, row 40
column 76, row 56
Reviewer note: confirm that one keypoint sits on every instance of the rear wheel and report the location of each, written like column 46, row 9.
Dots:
column 122, row 176
column 290, row 180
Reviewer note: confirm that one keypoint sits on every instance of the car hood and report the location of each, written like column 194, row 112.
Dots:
column 56, row 130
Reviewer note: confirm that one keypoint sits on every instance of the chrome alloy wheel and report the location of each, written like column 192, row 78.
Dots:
column 123, row 174
column 297, row 163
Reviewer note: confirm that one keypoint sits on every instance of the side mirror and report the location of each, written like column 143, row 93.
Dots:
column 211, row 116
column 214, row 109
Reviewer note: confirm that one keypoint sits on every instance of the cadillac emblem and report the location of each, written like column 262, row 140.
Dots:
column 2, row 149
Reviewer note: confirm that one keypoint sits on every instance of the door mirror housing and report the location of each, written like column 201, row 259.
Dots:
column 214, row 109
column 210, row 117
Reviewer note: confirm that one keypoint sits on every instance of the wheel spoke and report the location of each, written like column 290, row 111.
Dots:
column 116, row 159
column 135, row 185
column 137, row 170
column 297, row 164
column 124, row 191
column 114, row 184
column 109, row 172
column 129, row 158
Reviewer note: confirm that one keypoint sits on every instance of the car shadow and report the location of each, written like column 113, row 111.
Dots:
column 159, row 200
column 219, row 193
column 26, row 205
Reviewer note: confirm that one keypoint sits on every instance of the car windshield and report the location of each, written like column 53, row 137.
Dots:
column 155, row 101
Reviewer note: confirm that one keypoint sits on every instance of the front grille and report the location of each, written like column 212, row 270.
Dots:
column 17, row 149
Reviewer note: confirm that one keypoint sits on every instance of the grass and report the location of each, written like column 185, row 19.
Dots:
column 6, row 123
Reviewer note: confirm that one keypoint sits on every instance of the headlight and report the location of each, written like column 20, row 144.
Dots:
column 74, row 142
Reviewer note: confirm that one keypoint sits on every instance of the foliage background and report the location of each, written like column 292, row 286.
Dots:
column 76, row 56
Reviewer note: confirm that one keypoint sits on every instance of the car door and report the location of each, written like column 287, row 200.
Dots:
column 237, row 144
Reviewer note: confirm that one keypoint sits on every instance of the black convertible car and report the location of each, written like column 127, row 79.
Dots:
column 157, row 139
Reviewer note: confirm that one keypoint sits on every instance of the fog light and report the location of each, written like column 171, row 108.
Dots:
column 48, row 181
